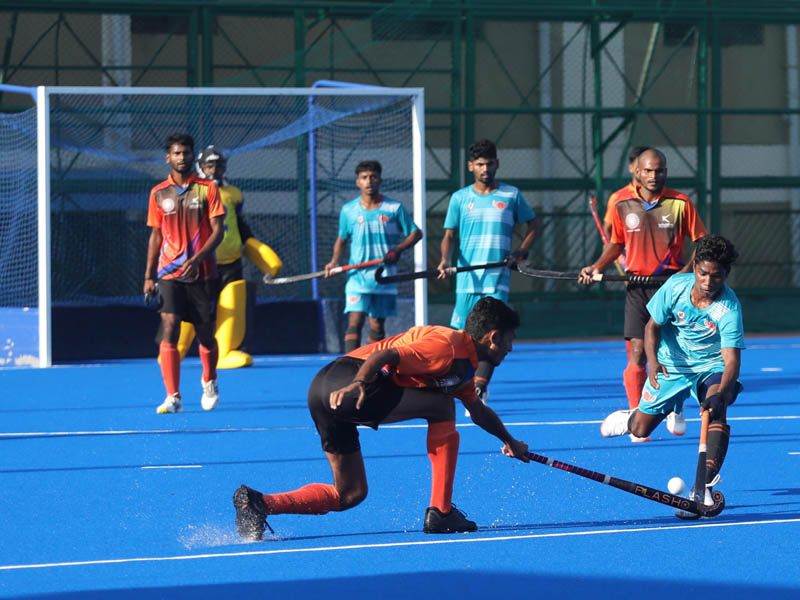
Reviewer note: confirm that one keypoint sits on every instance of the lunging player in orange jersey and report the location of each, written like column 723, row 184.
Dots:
column 650, row 223
column 414, row 375
column 185, row 216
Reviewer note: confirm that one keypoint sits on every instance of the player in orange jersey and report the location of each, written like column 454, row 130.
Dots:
column 650, row 223
column 185, row 216
column 414, row 375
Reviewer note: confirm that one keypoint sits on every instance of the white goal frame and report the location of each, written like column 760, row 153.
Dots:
column 44, row 93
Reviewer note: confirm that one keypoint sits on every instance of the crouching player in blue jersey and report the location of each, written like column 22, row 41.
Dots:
column 693, row 343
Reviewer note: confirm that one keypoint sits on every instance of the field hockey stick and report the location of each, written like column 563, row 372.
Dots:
column 291, row 279
column 431, row 273
column 671, row 500
column 527, row 269
column 603, row 235
column 699, row 488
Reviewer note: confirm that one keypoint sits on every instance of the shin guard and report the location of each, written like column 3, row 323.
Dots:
column 719, row 434
column 442, row 442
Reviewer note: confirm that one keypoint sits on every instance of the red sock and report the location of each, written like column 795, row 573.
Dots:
column 208, row 358
column 443, row 453
column 634, row 377
column 628, row 349
column 170, row 367
column 311, row 499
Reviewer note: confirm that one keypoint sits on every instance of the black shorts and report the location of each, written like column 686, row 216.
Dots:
column 230, row 272
column 637, row 295
column 195, row 301
column 386, row 402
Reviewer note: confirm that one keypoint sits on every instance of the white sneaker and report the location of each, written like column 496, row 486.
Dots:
column 635, row 439
column 615, row 424
column 172, row 404
column 210, row 394
column 676, row 423
column 482, row 396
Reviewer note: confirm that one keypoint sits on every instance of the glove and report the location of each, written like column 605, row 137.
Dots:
column 714, row 403
column 516, row 256
column 391, row 257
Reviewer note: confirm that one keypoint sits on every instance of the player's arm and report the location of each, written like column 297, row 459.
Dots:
column 485, row 418
column 366, row 372
column 394, row 254
column 338, row 248
column 445, row 247
column 652, row 338
column 718, row 397
column 610, row 253
column 531, row 234
column 190, row 266
column 153, row 248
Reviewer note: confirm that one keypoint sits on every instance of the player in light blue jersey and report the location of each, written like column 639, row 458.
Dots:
column 376, row 227
column 693, row 343
column 484, row 214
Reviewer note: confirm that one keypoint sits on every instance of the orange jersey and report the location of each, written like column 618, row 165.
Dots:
column 612, row 200
column 183, row 215
column 653, row 234
column 431, row 356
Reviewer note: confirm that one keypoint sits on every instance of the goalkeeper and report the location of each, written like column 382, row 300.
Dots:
column 211, row 164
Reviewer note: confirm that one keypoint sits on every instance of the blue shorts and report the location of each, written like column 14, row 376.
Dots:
column 675, row 389
column 465, row 303
column 377, row 306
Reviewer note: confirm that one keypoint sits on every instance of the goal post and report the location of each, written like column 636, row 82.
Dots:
column 99, row 150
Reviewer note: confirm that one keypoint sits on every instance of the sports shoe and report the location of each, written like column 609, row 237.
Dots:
column 676, row 423
column 615, row 424
column 483, row 396
column 453, row 522
column 251, row 513
column 172, row 404
column 210, row 394
column 636, row 440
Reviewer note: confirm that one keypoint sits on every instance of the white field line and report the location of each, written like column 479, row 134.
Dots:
column 45, row 434
column 172, row 467
column 475, row 540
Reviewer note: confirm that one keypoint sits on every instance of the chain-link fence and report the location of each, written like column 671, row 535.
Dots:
column 565, row 90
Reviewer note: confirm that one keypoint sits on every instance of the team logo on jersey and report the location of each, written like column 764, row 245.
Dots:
column 499, row 204
column 470, row 206
column 360, row 219
column 632, row 221
column 353, row 299
column 681, row 315
column 168, row 206
column 665, row 223
column 383, row 218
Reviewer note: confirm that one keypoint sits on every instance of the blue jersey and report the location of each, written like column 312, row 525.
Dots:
column 485, row 223
column 372, row 233
column 692, row 338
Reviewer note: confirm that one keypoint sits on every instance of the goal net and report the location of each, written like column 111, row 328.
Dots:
column 105, row 151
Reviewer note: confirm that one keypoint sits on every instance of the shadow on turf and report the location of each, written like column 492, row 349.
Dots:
column 446, row 585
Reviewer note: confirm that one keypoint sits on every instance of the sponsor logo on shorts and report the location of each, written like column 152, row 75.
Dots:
column 353, row 299
column 632, row 221
column 648, row 397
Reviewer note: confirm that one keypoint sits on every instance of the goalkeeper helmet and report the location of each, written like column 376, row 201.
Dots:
column 211, row 153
